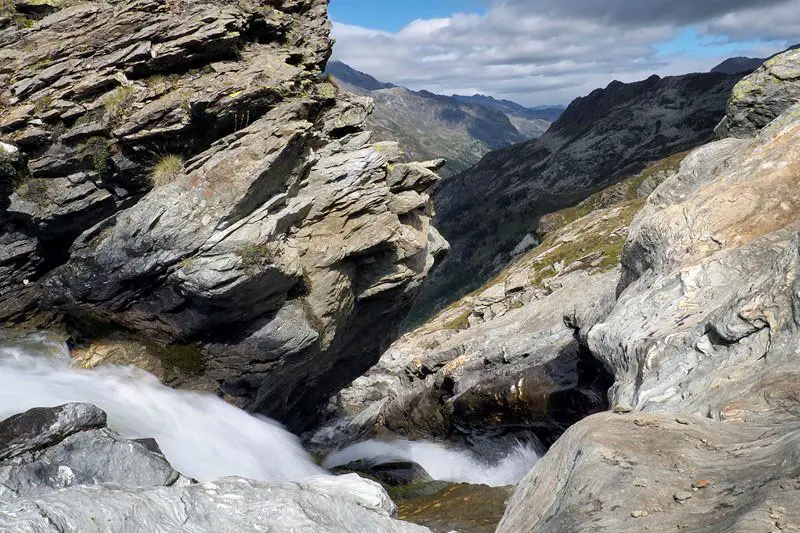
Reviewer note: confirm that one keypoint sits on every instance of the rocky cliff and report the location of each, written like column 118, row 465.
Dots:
column 703, row 345
column 503, row 361
column 177, row 171
column 669, row 301
column 63, row 470
column 428, row 126
column 487, row 212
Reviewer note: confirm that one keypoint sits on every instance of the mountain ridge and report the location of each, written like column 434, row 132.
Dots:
column 609, row 134
column 429, row 125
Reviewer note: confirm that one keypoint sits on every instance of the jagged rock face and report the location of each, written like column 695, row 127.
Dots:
column 191, row 180
column 62, row 471
column 506, row 359
column 762, row 96
column 715, row 242
column 703, row 339
column 600, row 139
column 511, row 356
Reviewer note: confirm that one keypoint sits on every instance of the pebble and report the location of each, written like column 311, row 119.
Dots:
column 683, row 421
column 682, row 496
column 701, row 484
column 622, row 409
column 639, row 514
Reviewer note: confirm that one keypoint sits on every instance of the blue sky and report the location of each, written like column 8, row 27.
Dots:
column 539, row 52
column 393, row 15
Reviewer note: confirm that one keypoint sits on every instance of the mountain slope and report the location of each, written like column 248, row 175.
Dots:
column 530, row 122
column 430, row 126
column 351, row 76
column 736, row 65
column 612, row 133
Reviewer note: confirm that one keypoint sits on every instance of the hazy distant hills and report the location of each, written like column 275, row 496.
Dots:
column 462, row 129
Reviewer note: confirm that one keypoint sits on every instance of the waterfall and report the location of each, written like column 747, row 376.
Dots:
column 201, row 435
column 442, row 462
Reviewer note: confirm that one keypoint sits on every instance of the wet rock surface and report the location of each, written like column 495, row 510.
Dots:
column 62, row 470
column 456, row 507
column 178, row 171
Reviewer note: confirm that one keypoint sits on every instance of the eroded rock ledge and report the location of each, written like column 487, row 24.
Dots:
column 179, row 171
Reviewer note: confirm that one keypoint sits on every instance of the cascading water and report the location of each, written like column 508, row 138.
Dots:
column 201, row 435
column 442, row 463
column 204, row 437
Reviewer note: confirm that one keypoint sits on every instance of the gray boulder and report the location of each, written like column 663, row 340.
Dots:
column 47, row 449
column 645, row 472
column 762, row 96
column 63, row 471
column 703, row 344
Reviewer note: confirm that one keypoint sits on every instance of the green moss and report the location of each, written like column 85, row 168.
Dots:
column 118, row 102
column 97, row 149
column 599, row 240
column 667, row 165
column 34, row 190
column 22, row 21
column 184, row 358
column 255, row 257
column 42, row 104
column 461, row 322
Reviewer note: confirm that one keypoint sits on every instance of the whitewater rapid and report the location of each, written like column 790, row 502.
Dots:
column 202, row 436
column 443, row 463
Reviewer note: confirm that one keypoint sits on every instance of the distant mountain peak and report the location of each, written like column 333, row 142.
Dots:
column 459, row 128
column 349, row 75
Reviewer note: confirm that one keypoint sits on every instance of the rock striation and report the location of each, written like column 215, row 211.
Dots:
column 179, row 171
column 703, row 345
column 62, row 470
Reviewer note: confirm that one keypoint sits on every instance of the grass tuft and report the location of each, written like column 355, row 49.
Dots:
column 167, row 169
column 118, row 102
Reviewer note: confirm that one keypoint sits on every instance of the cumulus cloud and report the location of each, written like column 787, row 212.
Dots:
column 550, row 51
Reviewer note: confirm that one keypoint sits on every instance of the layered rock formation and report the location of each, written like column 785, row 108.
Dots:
column 427, row 125
column 503, row 361
column 703, row 344
column 178, row 170
column 613, row 133
column 63, row 471
column 698, row 328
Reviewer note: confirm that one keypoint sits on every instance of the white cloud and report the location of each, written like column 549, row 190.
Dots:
column 550, row 51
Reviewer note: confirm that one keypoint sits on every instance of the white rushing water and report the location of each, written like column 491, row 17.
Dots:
column 443, row 463
column 201, row 435
column 204, row 437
